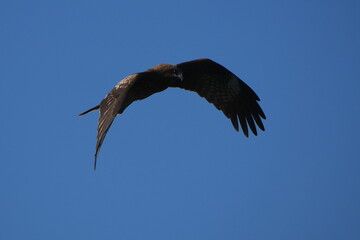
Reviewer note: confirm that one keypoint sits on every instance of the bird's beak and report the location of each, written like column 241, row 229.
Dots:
column 176, row 80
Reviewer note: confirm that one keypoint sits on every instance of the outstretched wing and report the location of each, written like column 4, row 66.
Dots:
column 114, row 103
column 225, row 90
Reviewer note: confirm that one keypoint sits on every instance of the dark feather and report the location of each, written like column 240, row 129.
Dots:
column 226, row 91
column 135, row 87
column 114, row 103
column 235, row 122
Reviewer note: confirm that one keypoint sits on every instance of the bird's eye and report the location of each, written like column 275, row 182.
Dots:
column 174, row 71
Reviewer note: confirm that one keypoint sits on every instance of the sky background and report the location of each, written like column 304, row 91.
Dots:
column 172, row 167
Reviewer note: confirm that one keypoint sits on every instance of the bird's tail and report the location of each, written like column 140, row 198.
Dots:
column 90, row 110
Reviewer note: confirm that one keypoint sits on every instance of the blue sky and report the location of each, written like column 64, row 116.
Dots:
column 172, row 167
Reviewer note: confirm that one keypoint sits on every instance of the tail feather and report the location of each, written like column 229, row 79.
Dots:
column 90, row 110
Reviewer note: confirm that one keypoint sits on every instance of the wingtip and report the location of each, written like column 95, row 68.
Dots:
column 262, row 114
column 95, row 162
column 235, row 123
column 96, row 155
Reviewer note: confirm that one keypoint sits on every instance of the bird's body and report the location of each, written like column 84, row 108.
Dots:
column 210, row 80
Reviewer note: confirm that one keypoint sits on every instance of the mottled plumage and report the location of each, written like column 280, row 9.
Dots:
column 210, row 80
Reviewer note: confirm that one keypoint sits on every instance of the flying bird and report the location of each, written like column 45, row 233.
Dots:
column 207, row 78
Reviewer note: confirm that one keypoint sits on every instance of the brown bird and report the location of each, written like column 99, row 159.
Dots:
column 209, row 79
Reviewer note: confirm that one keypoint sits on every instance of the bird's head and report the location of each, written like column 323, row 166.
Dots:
column 171, row 73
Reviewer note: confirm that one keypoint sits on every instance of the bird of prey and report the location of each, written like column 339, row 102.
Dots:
column 207, row 78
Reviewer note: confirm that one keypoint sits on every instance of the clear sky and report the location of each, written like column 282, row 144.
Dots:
column 172, row 167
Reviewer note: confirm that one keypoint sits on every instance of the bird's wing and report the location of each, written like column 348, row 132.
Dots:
column 225, row 90
column 114, row 102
